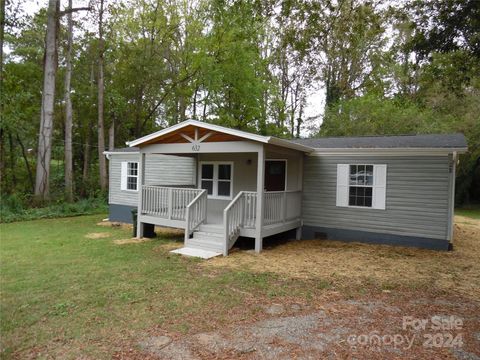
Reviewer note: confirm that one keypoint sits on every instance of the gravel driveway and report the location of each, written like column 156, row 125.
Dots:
column 386, row 327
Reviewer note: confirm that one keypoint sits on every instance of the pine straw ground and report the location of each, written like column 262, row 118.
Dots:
column 355, row 289
column 351, row 265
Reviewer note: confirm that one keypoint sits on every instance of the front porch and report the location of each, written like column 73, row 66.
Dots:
column 187, row 209
column 237, row 176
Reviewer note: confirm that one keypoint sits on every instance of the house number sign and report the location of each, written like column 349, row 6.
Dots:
column 196, row 147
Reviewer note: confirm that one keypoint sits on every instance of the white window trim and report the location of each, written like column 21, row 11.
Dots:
column 374, row 187
column 125, row 177
column 286, row 172
column 215, row 178
column 370, row 186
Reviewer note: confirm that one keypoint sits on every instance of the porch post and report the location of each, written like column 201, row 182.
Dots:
column 299, row 230
column 260, row 197
column 141, row 182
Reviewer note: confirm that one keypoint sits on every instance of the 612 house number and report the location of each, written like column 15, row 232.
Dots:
column 196, row 147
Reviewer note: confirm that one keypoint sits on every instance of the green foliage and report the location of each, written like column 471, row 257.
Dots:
column 15, row 208
column 446, row 26
column 410, row 67
column 373, row 115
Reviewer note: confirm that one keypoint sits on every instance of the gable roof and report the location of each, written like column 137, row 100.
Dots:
column 454, row 142
column 220, row 129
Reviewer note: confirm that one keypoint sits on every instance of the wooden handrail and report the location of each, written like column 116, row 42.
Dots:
column 196, row 198
column 233, row 216
column 196, row 213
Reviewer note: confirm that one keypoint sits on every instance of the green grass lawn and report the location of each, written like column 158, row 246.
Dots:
column 471, row 212
column 59, row 287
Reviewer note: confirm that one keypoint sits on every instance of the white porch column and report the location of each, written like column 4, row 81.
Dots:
column 260, row 198
column 298, row 232
column 141, row 182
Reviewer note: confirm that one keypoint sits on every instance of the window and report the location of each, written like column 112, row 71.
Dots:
column 132, row 175
column 216, row 178
column 129, row 180
column 361, row 186
column 360, row 190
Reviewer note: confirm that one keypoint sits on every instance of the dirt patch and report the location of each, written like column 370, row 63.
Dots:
column 475, row 224
column 98, row 235
column 131, row 241
column 169, row 233
column 361, row 328
column 335, row 263
column 163, row 232
column 115, row 224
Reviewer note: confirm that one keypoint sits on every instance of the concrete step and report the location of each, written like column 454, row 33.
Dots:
column 204, row 254
column 204, row 245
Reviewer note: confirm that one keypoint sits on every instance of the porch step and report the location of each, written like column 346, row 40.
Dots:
column 211, row 228
column 206, row 241
column 215, row 237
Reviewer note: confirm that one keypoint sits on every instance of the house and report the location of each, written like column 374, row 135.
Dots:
column 213, row 182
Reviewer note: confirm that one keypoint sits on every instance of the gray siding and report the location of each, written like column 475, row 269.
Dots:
column 115, row 194
column 416, row 196
column 169, row 170
column 159, row 170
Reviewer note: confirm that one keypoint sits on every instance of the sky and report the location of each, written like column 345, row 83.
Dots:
column 315, row 100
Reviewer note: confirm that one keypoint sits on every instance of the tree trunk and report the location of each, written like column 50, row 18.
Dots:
column 111, row 136
column 12, row 162
column 48, row 102
column 68, row 111
column 2, row 158
column 27, row 164
column 299, row 120
column 101, row 131
column 194, row 115
column 86, row 162
column 2, row 35
column 88, row 136
column 182, row 108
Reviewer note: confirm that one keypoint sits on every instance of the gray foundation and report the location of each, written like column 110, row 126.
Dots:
column 314, row 232
column 120, row 213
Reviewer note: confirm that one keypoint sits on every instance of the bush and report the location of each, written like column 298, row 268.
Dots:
column 13, row 208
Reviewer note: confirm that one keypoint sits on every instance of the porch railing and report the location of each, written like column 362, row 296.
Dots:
column 249, row 209
column 233, row 220
column 167, row 202
column 279, row 207
column 196, row 213
column 282, row 206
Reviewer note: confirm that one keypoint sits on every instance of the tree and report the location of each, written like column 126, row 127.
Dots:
column 68, row 108
column 21, row 99
column 101, row 90
column 44, row 151
column 445, row 26
column 2, row 36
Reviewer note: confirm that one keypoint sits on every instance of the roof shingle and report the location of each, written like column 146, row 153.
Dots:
column 387, row 142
